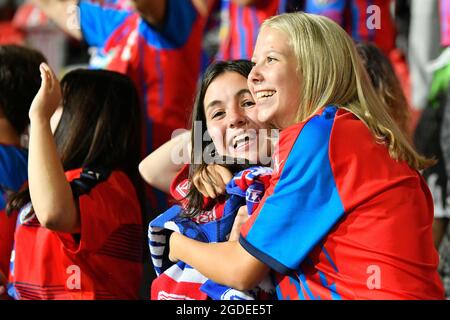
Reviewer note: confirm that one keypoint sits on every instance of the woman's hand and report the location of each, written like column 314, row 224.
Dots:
column 241, row 218
column 211, row 181
column 227, row 262
column 48, row 97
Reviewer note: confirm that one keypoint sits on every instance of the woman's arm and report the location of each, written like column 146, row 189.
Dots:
column 153, row 11
column 50, row 191
column 64, row 13
column 226, row 263
column 161, row 166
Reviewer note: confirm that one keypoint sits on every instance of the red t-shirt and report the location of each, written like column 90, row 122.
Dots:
column 342, row 219
column 106, row 262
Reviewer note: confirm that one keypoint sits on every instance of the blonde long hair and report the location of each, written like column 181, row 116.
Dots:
column 333, row 73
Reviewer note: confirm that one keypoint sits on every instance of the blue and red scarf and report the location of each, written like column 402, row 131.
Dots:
column 180, row 281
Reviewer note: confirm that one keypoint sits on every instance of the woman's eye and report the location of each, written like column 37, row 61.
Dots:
column 270, row 59
column 248, row 103
column 217, row 114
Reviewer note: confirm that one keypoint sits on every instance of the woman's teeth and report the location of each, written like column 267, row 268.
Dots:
column 241, row 141
column 264, row 94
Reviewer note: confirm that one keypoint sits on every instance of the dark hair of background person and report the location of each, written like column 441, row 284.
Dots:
column 386, row 83
column 20, row 80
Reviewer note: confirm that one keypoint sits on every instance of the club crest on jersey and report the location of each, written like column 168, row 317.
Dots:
column 253, row 195
column 183, row 188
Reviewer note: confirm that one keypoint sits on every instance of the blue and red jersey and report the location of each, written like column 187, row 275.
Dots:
column 163, row 62
column 364, row 20
column 240, row 26
column 104, row 261
column 13, row 174
column 342, row 219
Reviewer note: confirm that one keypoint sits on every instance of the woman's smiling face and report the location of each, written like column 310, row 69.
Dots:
column 232, row 118
column 274, row 81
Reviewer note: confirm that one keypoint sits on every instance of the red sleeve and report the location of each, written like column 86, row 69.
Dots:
column 179, row 188
column 110, row 218
column 7, row 228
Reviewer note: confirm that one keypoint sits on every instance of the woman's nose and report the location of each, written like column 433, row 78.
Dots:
column 255, row 76
column 236, row 118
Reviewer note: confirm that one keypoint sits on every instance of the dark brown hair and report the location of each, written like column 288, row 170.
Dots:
column 199, row 130
column 99, row 126
column 20, row 80
column 385, row 82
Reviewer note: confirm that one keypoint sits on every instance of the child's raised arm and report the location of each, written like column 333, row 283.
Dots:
column 51, row 194
column 160, row 167
column 64, row 13
column 153, row 11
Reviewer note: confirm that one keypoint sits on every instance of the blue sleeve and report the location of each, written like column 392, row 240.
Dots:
column 177, row 27
column 97, row 23
column 13, row 167
column 13, row 171
column 304, row 204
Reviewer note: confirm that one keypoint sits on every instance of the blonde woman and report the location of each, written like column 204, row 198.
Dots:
column 347, row 215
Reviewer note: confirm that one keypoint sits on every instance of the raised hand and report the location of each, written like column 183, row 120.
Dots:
column 48, row 97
